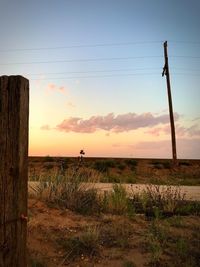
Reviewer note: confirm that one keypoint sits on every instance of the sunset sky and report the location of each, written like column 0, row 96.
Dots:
column 95, row 74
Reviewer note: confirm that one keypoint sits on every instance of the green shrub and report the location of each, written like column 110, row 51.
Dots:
column 117, row 200
column 103, row 165
column 35, row 263
column 121, row 166
column 129, row 264
column 182, row 248
column 130, row 180
column 86, row 243
column 71, row 193
column 184, row 163
column 116, row 234
column 131, row 162
column 165, row 164
column 48, row 159
column 48, row 166
column 156, row 238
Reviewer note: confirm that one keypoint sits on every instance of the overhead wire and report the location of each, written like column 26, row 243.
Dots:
column 79, row 46
column 106, row 76
column 80, row 60
column 96, row 45
column 92, row 71
column 95, row 76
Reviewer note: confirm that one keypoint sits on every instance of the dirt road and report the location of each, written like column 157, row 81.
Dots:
column 191, row 192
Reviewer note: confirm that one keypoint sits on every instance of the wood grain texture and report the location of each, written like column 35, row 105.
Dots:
column 14, row 113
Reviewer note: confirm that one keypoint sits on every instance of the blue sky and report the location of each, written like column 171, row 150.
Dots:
column 78, row 31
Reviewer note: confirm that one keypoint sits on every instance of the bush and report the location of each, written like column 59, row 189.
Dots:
column 130, row 180
column 103, row 165
column 110, row 179
column 159, row 201
column 116, row 234
column 48, row 159
column 85, row 244
column 116, row 201
column 162, row 164
column 131, row 162
column 35, row 263
column 71, row 193
column 156, row 238
column 121, row 166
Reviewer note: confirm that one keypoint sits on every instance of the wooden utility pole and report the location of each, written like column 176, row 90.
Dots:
column 166, row 73
column 14, row 113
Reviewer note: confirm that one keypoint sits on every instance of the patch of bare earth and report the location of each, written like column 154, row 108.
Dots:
column 47, row 225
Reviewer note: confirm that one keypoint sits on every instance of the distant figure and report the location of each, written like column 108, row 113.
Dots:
column 82, row 153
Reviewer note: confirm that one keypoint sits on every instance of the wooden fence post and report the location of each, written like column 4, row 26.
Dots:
column 14, row 113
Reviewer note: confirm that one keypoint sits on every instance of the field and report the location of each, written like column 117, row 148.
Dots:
column 71, row 225
column 156, row 171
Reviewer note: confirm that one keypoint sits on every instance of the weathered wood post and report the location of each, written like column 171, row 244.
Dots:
column 14, row 113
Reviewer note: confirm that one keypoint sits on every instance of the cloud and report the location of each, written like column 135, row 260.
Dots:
column 53, row 87
column 71, row 105
column 116, row 145
column 196, row 119
column 110, row 122
column 186, row 148
column 181, row 131
column 45, row 127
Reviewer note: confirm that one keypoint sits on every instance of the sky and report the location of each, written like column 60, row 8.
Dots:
column 95, row 68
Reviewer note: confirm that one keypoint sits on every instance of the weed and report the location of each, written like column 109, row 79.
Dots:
column 162, row 164
column 181, row 248
column 110, row 179
column 131, row 162
column 116, row 234
column 165, row 198
column 176, row 221
column 48, row 166
column 156, row 240
column 36, row 263
column 117, row 200
column 86, row 243
column 129, row 264
column 184, row 163
column 121, row 166
column 48, row 159
column 130, row 180
column 71, row 193
column 103, row 165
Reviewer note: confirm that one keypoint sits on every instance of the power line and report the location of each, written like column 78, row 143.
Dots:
column 92, row 71
column 108, row 76
column 79, row 60
column 95, row 76
column 193, row 57
column 79, row 46
column 106, row 70
column 94, row 45
column 186, row 74
column 185, row 69
column 184, row 42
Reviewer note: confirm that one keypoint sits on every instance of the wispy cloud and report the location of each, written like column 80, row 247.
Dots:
column 186, row 148
column 45, row 127
column 110, row 122
column 53, row 87
column 181, row 131
column 70, row 104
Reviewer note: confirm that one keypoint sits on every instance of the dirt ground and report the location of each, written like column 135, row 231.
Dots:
column 60, row 237
column 124, row 242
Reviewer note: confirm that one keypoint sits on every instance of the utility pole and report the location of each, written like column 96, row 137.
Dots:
column 166, row 73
